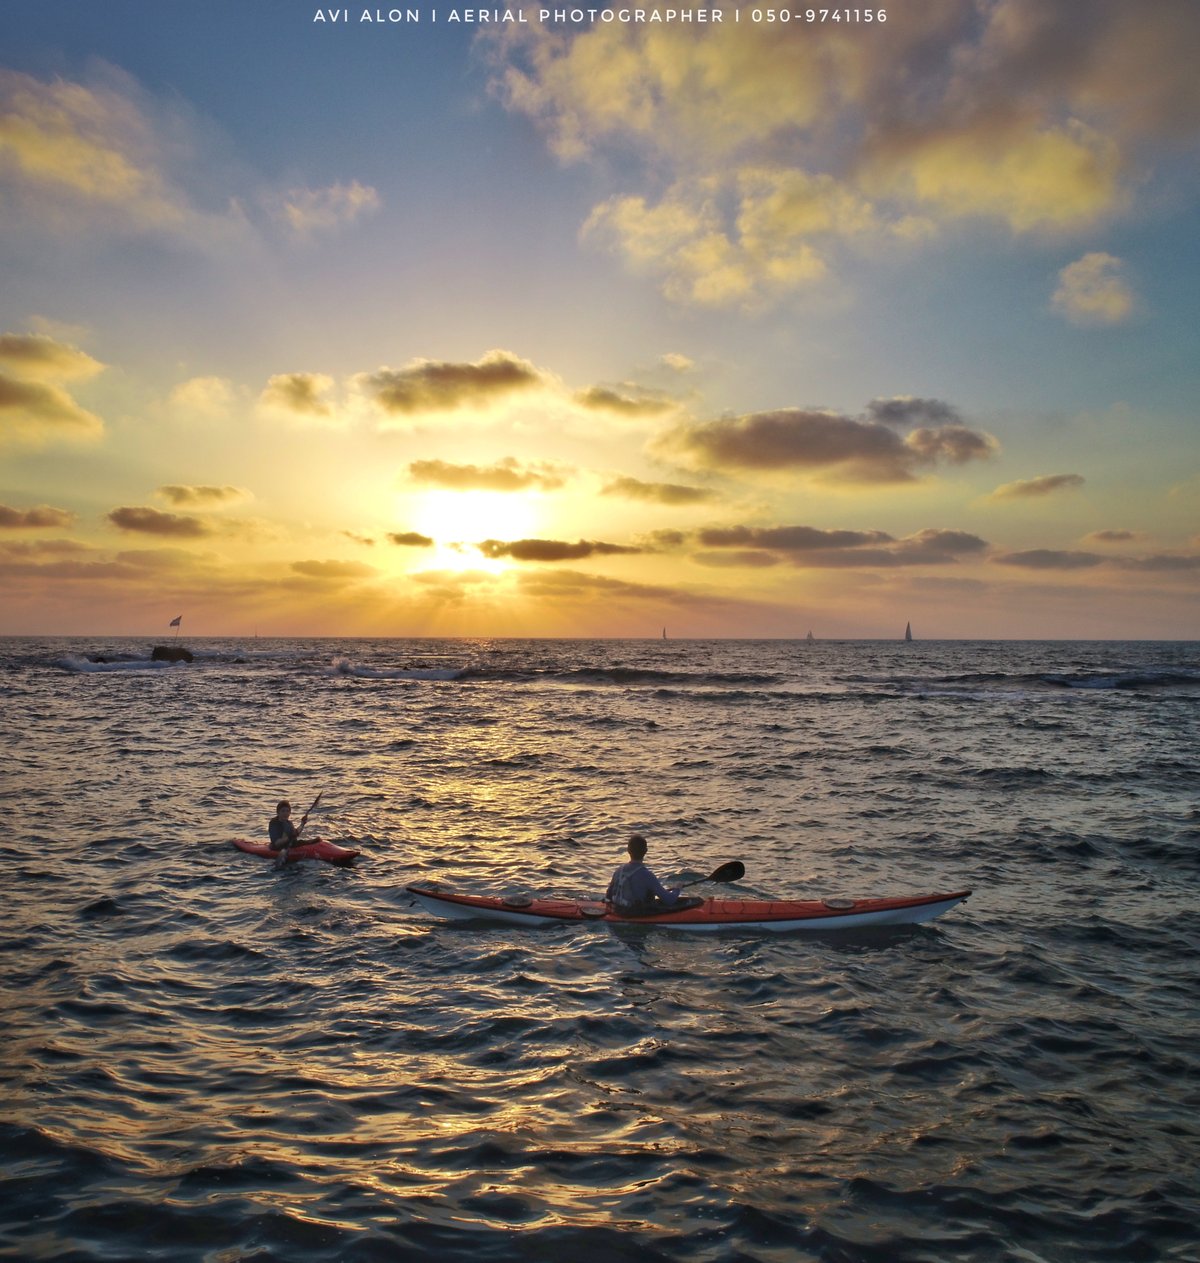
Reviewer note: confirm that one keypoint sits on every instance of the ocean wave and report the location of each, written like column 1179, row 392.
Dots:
column 619, row 676
column 1146, row 678
column 359, row 671
column 90, row 666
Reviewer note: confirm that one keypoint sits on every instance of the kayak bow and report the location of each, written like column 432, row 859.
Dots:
column 777, row 915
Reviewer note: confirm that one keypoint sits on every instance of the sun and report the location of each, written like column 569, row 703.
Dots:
column 458, row 520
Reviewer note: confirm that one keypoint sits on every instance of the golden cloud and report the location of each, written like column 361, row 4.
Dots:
column 89, row 145
column 553, row 549
column 669, row 493
column 78, row 157
column 208, row 396
column 504, row 475
column 838, row 447
column 441, row 386
column 154, row 522
column 42, row 548
column 299, row 394
column 36, row 356
column 33, row 407
column 32, row 411
column 809, row 546
column 633, row 402
column 1060, row 177
column 1045, row 485
column 202, row 497
column 333, row 572
column 34, row 519
column 764, row 148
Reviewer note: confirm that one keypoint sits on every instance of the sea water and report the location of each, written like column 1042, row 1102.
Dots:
column 207, row 1058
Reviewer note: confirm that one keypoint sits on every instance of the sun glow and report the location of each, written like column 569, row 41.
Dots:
column 458, row 520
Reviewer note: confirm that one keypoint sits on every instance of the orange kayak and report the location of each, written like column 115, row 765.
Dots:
column 318, row 849
column 710, row 914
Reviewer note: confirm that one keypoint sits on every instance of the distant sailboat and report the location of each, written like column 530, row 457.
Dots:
column 908, row 631
column 664, row 633
column 810, row 636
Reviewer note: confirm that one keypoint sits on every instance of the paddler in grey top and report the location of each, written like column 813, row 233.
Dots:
column 634, row 889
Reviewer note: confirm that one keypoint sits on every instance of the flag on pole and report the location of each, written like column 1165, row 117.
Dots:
column 176, row 621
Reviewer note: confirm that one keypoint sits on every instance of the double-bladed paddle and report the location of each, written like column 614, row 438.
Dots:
column 735, row 870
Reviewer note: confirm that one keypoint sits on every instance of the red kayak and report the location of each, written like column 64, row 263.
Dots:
column 319, row 849
column 707, row 914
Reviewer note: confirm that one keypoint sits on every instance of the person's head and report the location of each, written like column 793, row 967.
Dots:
column 637, row 847
column 283, row 809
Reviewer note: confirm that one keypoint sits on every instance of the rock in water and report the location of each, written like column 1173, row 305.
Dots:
column 171, row 653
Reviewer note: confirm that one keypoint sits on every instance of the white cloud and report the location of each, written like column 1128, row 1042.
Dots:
column 1093, row 291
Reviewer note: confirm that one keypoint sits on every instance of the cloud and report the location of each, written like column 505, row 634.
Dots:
column 208, row 396
column 668, row 493
column 410, row 539
column 1053, row 559
column 687, row 242
column 202, row 497
column 906, row 412
column 742, row 558
column 42, row 547
column 299, row 394
column 90, row 145
column 99, row 157
column 1114, row 537
column 839, row 447
column 333, row 571
column 553, row 549
column 639, row 403
column 1029, row 174
column 812, row 547
column 440, row 386
column 32, row 519
column 172, row 559
column 1045, row 485
column 1050, row 559
column 154, row 522
column 504, row 475
column 34, row 408
column 34, row 411
column 756, row 157
column 307, row 212
column 1161, row 563
column 790, row 539
column 665, row 541
column 37, row 357
column 677, row 362
column 1093, row 291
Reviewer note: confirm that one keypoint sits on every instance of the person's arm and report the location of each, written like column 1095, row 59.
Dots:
column 657, row 888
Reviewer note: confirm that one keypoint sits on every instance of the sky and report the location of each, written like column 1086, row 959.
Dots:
column 538, row 322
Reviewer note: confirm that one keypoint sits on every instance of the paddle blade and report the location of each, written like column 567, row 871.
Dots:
column 735, row 870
